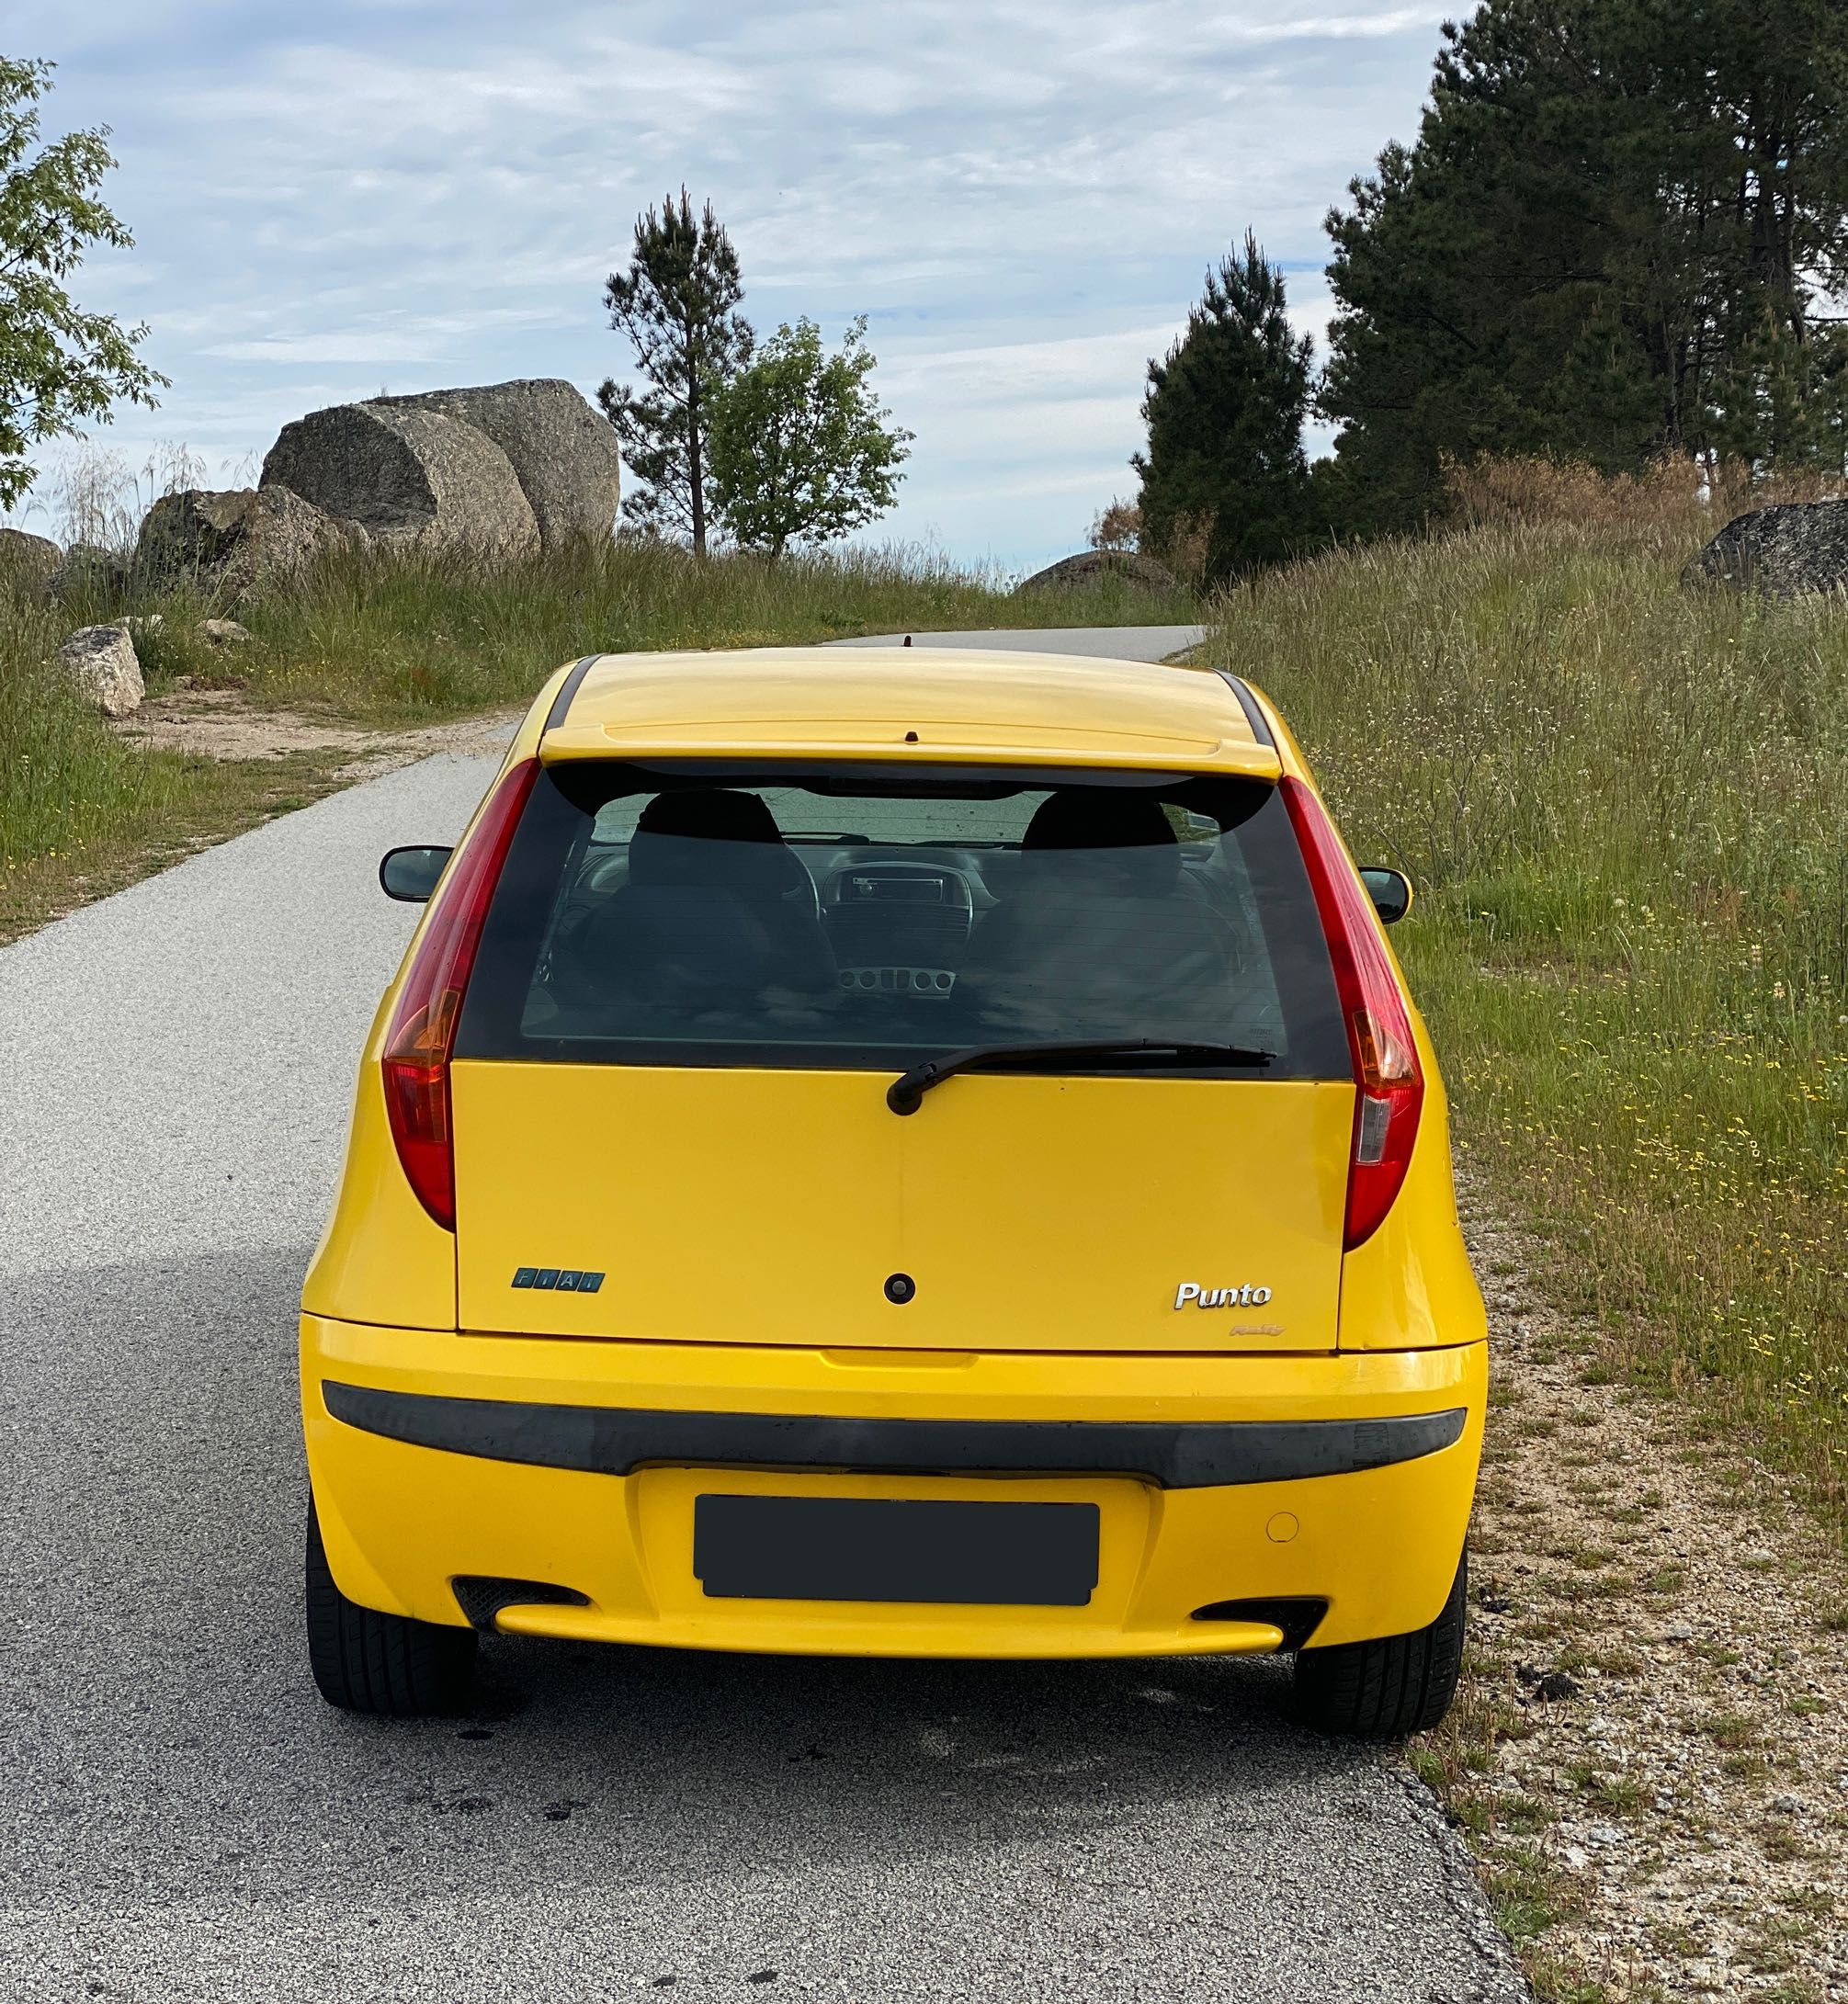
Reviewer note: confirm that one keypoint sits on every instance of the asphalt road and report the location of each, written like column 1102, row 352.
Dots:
column 1117, row 643
column 181, row 1817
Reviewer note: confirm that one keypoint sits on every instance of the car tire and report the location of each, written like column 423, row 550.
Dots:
column 1393, row 1685
column 386, row 1665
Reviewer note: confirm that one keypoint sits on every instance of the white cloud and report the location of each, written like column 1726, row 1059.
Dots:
column 1023, row 194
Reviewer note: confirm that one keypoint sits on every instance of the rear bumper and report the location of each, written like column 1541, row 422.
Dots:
column 1341, row 1480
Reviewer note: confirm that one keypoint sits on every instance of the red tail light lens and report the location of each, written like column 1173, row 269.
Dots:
column 423, row 1028
column 1385, row 1067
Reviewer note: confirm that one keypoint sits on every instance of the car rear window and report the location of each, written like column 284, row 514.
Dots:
column 863, row 916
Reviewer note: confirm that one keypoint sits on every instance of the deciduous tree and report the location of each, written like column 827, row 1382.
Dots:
column 1117, row 527
column 58, row 366
column 802, row 450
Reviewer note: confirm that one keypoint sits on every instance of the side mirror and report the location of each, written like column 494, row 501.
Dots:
column 1390, row 890
column 410, row 874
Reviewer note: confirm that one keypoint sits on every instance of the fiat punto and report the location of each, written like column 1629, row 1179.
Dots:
column 881, row 1153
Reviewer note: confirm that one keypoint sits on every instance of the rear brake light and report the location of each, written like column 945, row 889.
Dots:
column 423, row 1028
column 1385, row 1053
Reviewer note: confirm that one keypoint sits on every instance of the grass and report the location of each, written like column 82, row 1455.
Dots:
column 415, row 639
column 1622, row 802
column 81, row 814
column 405, row 641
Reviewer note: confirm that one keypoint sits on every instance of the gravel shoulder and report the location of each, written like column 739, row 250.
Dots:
column 220, row 724
column 1648, row 1755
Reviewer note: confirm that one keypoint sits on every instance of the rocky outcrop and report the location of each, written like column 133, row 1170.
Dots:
column 1091, row 568
column 283, row 535
column 1784, row 552
column 87, row 569
column 194, row 531
column 103, row 669
column 497, row 470
column 241, row 537
column 406, row 473
column 27, row 560
column 564, row 454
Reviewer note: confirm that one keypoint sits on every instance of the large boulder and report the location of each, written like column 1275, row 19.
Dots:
column 1783, row 551
column 283, row 535
column 27, row 561
column 562, row 452
column 195, row 530
column 242, row 536
column 1091, row 568
column 104, row 668
column 406, row 473
column 87, row 570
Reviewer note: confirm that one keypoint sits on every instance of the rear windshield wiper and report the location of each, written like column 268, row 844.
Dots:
column 906, row 1095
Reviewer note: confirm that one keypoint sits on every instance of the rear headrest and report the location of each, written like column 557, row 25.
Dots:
column 711, row 836
column 1131, row 828
column 709, row 814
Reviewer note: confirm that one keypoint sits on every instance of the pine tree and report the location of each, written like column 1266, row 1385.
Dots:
column 1610, row 242
column 1225, row 484
column 678, row 304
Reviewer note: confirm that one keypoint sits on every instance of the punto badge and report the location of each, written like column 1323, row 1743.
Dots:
column 1219, row 1298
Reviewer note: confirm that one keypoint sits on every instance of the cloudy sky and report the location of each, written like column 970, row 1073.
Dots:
column 333, row 198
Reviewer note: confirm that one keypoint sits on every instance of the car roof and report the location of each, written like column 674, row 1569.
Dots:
column 967, row 706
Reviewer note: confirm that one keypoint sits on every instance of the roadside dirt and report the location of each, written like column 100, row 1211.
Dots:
column 244, row 765
column 217, row 723
column 1648, row 1753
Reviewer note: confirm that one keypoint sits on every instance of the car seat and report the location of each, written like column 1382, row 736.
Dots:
column 717, row 914
column 1102, row 935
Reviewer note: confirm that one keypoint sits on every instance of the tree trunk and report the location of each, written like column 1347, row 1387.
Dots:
column 696, row 470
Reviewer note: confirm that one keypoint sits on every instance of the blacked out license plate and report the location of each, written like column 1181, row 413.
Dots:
column 873, row 1548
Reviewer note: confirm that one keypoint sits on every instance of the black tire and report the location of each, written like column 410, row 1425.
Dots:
column 1394, row 1685
column 383, row 1664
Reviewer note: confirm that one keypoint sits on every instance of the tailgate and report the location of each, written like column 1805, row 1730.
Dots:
column 725, row 1204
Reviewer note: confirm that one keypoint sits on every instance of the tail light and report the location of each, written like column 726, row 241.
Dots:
column 423, row 1029
column 1385, row 1067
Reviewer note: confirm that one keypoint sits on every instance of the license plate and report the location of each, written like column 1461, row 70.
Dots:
column 861, row 1548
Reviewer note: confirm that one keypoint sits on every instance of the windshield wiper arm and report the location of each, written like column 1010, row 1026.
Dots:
column 906, row 1095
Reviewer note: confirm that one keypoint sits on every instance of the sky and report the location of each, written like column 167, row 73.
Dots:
column 333, row 198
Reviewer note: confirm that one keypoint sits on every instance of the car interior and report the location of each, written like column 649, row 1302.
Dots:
column 713, row 911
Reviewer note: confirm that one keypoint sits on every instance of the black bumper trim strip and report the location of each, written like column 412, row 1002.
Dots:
column 606, row 1440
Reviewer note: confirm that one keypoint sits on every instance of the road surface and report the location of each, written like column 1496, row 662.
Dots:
column 1117, row 643
column 182, row 1818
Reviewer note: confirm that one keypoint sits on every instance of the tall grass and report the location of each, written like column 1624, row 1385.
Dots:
column 82, row 811
column 1624, row 803
column 403, row 639
column 64, row 781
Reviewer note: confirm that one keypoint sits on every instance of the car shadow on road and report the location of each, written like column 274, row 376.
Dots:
column 165, row 1494
column 847, row 1759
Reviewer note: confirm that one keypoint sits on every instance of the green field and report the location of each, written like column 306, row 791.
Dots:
column 402, row 640
column 1624, row 804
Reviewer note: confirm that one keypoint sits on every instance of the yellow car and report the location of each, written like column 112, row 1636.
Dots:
column 919, row 1154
